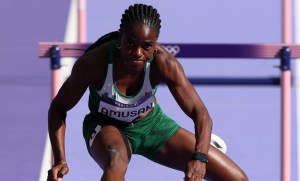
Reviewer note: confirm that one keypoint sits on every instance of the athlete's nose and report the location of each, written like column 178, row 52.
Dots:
column 138, row 52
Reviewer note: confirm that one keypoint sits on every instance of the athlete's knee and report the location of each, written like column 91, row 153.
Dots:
column 116, row 160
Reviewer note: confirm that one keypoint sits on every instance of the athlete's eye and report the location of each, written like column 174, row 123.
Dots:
column 148, row 46
column 130, row 43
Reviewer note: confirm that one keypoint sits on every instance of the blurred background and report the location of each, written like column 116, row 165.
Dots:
column 246, row 117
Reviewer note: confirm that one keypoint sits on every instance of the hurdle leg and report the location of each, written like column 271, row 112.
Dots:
column 285, row 114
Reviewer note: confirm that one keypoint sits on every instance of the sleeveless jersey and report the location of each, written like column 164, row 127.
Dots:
column 110, row 102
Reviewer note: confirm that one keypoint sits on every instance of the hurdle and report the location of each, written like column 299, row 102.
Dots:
column 283, row 52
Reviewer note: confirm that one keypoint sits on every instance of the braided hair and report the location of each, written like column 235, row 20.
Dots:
column 140, row 13
column 137, row 13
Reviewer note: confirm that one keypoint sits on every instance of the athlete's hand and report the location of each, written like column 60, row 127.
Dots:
column 195, row 171
column 57, row 172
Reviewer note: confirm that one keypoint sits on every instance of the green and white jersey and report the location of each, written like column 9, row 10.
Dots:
column 110, row 102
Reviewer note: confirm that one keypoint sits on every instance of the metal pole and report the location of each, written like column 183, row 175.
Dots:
column 287, row 21
column 286, row 91
column 55, row 70
column 82, row 21
column 285, row 56
column 296, row 79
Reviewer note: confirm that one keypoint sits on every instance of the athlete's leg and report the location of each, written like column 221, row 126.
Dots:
column 178, row 151
column 110, row 149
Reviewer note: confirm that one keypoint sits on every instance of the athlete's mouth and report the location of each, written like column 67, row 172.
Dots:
column 136, row 60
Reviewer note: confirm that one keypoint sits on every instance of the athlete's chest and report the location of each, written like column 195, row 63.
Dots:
column 129, row 85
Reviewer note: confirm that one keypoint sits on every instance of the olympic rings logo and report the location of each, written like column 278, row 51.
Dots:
column 173, row 49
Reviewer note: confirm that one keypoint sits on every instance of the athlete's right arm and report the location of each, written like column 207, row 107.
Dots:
column 68, row 96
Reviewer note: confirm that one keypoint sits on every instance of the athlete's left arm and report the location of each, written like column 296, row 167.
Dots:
column 172, row 73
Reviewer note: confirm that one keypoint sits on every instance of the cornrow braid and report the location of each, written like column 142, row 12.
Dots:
column 141, row 13
column 105, row 38
column 138, row 13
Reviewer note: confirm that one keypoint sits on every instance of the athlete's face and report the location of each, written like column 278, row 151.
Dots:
column 138, row 43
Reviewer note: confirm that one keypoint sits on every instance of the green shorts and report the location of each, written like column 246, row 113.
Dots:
column 146, row 136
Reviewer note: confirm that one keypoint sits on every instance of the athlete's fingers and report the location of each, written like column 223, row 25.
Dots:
column 57, row 172
column 63, row 171
column 189, row 174
column 192, row 179
column 198, row 178
column 51, row 175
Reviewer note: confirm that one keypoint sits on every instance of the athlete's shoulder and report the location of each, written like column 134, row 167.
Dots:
column 92, row 64
column 165, row 65
column 163, row 58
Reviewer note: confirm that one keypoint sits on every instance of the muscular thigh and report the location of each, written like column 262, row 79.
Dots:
column 109, row 139
column 178, row 151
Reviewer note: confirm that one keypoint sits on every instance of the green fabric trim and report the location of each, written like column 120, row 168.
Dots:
column 150, row 59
